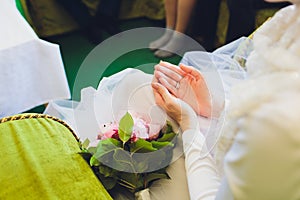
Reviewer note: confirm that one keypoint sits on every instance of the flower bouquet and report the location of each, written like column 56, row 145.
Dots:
column 131, row 154
column 127, row 151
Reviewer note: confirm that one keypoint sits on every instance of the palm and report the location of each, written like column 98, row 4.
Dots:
column 195, row 92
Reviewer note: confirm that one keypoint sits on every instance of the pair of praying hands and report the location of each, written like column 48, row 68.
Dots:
column 181, row 91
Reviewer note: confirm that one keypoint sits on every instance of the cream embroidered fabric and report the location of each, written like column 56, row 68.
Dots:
column 272, row 68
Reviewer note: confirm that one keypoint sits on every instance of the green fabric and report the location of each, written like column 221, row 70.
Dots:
column 20, row 8
column 40, row 160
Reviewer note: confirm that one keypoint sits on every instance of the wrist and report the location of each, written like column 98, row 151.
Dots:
column 205, row 110
column 189, row 121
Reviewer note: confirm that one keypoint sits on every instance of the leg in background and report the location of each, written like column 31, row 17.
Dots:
column 241, row 19
column 205, row 23
column 171, row 15
column 78, row 11
column 107, row 16
column 81, row 15
column 184, row 12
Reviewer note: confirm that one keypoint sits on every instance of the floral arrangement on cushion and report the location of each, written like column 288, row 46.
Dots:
column 131, row 153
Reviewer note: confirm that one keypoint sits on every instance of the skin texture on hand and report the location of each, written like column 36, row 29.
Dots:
column 178, row 110
column 192, row 87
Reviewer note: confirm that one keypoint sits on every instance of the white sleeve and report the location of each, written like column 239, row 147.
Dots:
column 262, row 163
column 203, row 178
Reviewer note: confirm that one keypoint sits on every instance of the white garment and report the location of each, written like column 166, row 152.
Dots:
column 258, row 154
column 32, row 71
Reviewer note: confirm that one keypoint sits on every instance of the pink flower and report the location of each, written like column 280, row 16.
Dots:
column 108, row 130
column 154, row 130
column 141, row 130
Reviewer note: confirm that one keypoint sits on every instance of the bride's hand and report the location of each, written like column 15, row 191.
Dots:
column 178, row 110
column 186, row 83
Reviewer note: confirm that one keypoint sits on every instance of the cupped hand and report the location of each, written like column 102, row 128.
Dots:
column 178, row 110
column 186, row 83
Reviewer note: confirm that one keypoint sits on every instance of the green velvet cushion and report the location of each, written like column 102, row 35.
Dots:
column 40, row 160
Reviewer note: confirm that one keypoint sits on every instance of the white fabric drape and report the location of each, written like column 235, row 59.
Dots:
column 32, row 71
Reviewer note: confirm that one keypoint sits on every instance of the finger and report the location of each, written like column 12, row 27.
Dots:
column 170, row 104
column 154, row 79
column 159, row 75
column 162, row 91
column 172, row 67
column 169, row 86
column 191, row 70
column 157, row 96
column 190, row 78
column 169, row 73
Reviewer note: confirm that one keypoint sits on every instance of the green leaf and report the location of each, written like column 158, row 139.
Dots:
column 141, row 166
column 109, row 153
column 167, row 137
column 152, row 161
column 150, row 177
column 85, row 143
column 108, row 182
column 132, row 181
column 92, row 150
column 142, row 146
column 122, row 161
column 106, row 148
column 159, row 145
column 115, row 142
column 107, row 171
column 125, row 127
column 167, row 128
column 94, row 161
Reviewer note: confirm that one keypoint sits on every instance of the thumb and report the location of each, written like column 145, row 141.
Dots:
column 162, row 91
